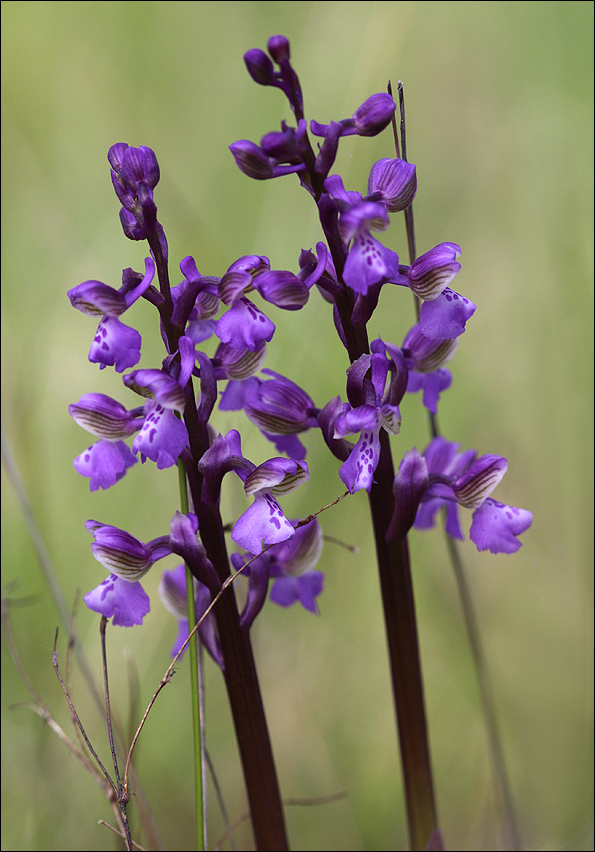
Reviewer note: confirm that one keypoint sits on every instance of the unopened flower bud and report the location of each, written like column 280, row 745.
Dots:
column 394, row 182
column 278, row 47
column 251, row 160
column 374, row 114
column 260, row 67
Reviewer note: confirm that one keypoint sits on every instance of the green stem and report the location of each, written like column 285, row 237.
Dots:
column 487, row 696
column 196, row 709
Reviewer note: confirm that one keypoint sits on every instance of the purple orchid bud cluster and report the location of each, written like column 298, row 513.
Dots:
column 227, row 316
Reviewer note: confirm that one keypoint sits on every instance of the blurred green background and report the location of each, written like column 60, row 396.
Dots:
column 499, row 112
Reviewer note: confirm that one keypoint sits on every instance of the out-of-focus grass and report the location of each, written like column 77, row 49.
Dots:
column 499, row 108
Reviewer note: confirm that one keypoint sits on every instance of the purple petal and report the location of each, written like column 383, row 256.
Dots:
column 439, row 455
column 238, row 364
column 495, row 526
column 283, row 289
column 368, row 263
column 223, row 456
column 451, row 523
column 115, row 345
column 128, row 603
column 446, row 315
column 158, row 385
column 374, row 114
column 244, row 326
column 181, row 637
column 119, row 552
column 162, row 438
column 232, row 397
column 433, row 385
column 200, row 330
column 479, row 480
column 103, row 416
column 285, row 591
column 415, row 382
column 426, row 513
column 258, row 585
column 277, row 406
column 105, row 462
column 277, row 475
column 172, row 590
column 288, row 444
column 310, row 585
column 391, row 418
column 427, row 354
column 433, row 271
column 262, row 524
column 132, row 295
column 305, row 589
column 140, row 166
column 364, row 417
column 96, row 299
column 183, row 540
column 251, row 160
column 358, row 471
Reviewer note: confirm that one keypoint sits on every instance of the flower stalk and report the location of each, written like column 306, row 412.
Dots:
column 396, row 588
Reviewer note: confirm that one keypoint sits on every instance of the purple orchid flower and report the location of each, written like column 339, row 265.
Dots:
column 162, row 438
column 281, row 152
column 243, row 326
column 368, row 262
column 106, row 461
column 264, row 522
column 262, row 71
column 443, row 478
column 290, row 565
column 443, row 313
column 163, row 435
column 127, row 603
column 375, row 411
column 121, row 595
column 105, row 417
column 288, row 291
column 114, row 344
column 223, row 456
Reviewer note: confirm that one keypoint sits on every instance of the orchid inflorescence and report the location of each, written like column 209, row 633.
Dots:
column 350, row 269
